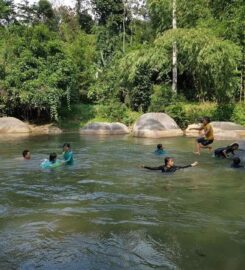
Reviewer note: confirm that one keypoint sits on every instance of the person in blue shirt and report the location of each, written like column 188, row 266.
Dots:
column 68, row 154
column 52, row 162
column 160, row 150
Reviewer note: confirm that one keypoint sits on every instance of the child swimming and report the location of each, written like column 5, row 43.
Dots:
column 169, row 166
column 236, row 163
column 207, row 139
column 223, row 152
column 160, row 150
column 52, row 162
column 67, row 154
column 26, row 154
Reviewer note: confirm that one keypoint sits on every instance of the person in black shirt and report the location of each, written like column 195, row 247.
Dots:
column 169, row 166
column 223, row 152
column 236, row 163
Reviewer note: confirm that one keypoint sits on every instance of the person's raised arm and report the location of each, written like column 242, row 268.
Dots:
column 187, row 166
column 197, row 128
column 224, row 154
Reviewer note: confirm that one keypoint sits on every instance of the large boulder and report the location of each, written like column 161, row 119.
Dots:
column 222, row 131
column 45, row 129
column 13, row 125
column 103, row 128
column 156, row 125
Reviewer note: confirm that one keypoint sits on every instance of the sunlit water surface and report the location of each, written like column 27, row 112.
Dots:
column 106, row 213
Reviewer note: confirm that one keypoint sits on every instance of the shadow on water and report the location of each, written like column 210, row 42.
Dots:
column 106, row 213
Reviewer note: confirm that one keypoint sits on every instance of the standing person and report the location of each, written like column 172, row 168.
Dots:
column 207, row 139
column 169, row 166
column 223, row 152
column 26, row 154
column 160, row 150
column 67, row 154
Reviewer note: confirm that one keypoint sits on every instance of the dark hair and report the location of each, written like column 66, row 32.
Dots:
column 234, row 145
column 207, row 119
column 52, row 157
column 67, row 144
column 159, row 146
column 166, row 160
column 236, row 160
column 200, row 120
column 24, row 153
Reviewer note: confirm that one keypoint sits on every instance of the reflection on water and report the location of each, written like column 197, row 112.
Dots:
column 106, row 213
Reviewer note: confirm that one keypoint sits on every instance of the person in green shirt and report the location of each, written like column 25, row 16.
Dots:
column 68, row 154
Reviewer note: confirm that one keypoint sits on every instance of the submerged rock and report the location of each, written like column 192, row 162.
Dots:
column 222, row 131
column 13, row 125
column 156, row 125
column 104, row 128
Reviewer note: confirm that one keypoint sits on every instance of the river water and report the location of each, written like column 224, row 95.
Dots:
column 107, row 213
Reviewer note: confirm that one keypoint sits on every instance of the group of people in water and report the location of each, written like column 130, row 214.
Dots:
column 53, row 161
column 202, row 142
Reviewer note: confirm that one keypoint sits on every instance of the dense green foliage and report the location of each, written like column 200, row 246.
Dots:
column 117, row 56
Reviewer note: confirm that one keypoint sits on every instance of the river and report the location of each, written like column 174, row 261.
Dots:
column 105, row 212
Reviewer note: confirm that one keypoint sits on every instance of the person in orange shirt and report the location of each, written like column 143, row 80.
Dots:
column 207, row 139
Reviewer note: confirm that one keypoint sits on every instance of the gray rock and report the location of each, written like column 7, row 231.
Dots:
column 103, row 128
column 156, row 125
column 13, row 125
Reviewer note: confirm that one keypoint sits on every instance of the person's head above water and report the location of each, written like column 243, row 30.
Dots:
column 236, row 160
column 26, row 154
column 169, row 162
column 52, row 157
column 159, row 146
column 200, row 120
column 234, row 146
column 206, row 120
column 66, row 147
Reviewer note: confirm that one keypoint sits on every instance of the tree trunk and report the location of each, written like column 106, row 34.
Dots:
column 124, row 28
column 175, row 72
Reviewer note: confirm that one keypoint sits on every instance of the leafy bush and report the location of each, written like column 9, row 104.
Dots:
column 196, row 111
column 178, row 113
column 223, row 112
column 238, row 115
column 162, row 96
column 188, row 113
column 116, row 112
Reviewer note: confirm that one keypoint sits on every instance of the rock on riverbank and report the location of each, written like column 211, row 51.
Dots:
column 14, row 126
column 104, row 128
column 156, row 125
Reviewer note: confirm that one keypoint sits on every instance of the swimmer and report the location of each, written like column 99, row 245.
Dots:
column 26, row 154
column 223, row 152
column 236, row 163
column 52, row 162
column 67, row 154
column 207, row 139
column 169, row 166
column 160, row 150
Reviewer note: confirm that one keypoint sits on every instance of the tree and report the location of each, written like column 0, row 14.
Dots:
column 85, row 20
column 7, row 13
column 175, row 72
